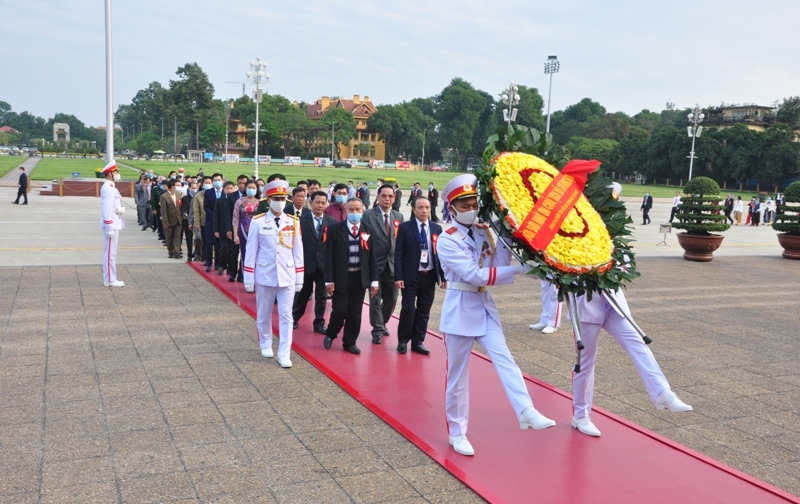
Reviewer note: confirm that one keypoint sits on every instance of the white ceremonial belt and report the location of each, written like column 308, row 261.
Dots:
column 465, row 287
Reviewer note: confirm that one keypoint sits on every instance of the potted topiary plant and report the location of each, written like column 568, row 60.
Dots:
column 700, row 215
column 787, row 222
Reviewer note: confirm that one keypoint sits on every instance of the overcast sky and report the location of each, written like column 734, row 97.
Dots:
column 628, row 55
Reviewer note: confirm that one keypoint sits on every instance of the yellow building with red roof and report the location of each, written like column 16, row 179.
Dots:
column 365, row 146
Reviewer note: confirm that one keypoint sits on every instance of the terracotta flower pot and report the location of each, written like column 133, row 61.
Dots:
column 790, row 244
column 699, row 248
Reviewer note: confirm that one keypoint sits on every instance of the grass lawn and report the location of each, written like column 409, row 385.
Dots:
column 54, row 168
column 295, row 173
column 8, row 163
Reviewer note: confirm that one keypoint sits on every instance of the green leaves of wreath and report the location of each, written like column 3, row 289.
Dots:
column 516, row 138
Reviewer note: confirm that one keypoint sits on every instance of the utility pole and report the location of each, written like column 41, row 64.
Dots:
column 422, row 163
column 175, row 137
column 333, row 129
column 109, row 89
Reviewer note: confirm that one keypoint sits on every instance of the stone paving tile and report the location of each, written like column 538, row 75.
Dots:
column 192, row 411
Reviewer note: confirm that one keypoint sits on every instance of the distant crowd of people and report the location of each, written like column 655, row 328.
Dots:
column 757, row 212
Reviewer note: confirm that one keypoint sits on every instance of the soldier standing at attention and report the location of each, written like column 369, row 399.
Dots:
column 111, row 221
column 273, row 267
column 471, row 262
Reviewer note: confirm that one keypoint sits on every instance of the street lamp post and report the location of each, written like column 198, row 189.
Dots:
column 422, row 161
column 109, row 88
column 694, row 131
column 511, row 99
column 333, row 132
column 551, row 66
column 256, row 75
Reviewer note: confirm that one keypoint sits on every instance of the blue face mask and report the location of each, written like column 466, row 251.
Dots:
column 251, row 192
column 218, row 184
column 341, row 199
column 354, row 218
column 430, row 187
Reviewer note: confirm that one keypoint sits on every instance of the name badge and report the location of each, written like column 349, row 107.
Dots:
column 267, row 231
column 423, row 257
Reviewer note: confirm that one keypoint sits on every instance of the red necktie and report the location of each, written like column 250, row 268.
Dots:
column 355, row 231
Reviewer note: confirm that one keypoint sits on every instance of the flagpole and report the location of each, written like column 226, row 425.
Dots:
column 109, row 90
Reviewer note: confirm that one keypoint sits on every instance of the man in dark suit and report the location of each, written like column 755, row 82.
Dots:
column 23, row 186
column 155, row 205
column 416, row 272
column 171, row 219
column 186, row 207
column 297, row 205
column 647, row 204
column 384, row 222
column 209, row 204
column 234, row 273
column 729, row 207
column 349, row 270
column 223, row 227
column 312, row 228
column 398, row 196
column 433, row 199
column 416, row 192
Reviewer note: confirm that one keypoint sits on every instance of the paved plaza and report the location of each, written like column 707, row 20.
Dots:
column 156, row 392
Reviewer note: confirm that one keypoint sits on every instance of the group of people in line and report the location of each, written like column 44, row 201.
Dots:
column 302, row 243
column 733, row 209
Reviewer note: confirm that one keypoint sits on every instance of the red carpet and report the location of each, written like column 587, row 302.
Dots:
column 628, row 464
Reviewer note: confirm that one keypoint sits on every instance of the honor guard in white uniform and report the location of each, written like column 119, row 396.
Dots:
column 273, row 267
column 598, row 314
column 471, row 261
column 111, row 221
column 550, row 319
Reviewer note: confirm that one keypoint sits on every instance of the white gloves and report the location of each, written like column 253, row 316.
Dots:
column 298, row 287
column 111, row 233
column 249, row 287
column 120, row 210
column 522, row 269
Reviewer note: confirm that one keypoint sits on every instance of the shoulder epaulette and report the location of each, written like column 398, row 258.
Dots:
column 293, row 216
column 451, row 230
column 263, row 199
column 260, row 215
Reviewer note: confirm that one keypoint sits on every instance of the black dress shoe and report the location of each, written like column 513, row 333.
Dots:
column 352, row 349
column 327, row 342
column 171, row 256
column 294, row 326
column 386, row 332
column 401, row 348
column 231, row 279
column 208, row 268
column 420, row 349
column 178, row 256
column 320, row 329
column 376, row 338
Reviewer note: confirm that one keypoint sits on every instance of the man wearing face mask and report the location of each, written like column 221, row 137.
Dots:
column 111, row 221
column 155, row 205
column 198, row 224
column 433, row 199
column 471, row 262
column 273, row 268
column 187, row 211
column 337, row 209
column 349, row 270
column 209, row 203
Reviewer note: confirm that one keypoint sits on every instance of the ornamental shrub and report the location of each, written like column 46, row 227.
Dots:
column 788, row 220
column 701, row 211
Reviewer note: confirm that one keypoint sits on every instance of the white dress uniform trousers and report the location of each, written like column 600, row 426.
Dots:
column 274, row 263
column 468, row 317
column 600, row 314
column 111, row 222
column 551, row 308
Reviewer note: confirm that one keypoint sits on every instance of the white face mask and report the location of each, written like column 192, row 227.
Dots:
column 277, row 205
column 466, row 218
column 117, row 177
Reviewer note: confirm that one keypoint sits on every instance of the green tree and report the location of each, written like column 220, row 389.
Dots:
column 590, row 148
column 789, row 111
column 345, row 126
column 5, row 108
column 458, row 109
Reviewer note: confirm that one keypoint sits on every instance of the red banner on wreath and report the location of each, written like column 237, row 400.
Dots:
column 543, row 222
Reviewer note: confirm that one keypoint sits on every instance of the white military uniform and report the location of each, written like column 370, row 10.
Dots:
column 472, row 316
column 551, row 308
column 111, row 222
column 274, row 263
column 598, row 314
